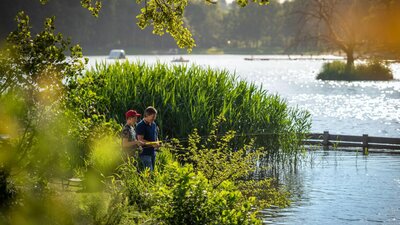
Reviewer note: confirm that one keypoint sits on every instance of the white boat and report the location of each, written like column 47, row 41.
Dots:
column 117, row 54
column 180, row 59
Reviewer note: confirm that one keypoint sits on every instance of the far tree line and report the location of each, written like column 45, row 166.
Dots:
column 353, row 27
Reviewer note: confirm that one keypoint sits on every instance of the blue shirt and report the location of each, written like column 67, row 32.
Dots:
column 149, row 132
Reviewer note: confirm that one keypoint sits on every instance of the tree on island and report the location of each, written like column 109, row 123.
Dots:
column 346, row 25
column 336, row 23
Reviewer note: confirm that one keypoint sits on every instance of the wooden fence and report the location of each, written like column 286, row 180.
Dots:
column 365, row 142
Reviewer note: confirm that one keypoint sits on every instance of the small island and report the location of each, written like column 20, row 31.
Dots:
column 371, row 71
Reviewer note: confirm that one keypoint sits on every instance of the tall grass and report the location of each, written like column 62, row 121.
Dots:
column 189, row 97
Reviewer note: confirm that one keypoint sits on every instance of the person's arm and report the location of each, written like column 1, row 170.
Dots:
column 125, row 140
column 140, row 137
column 127, row 144
column 146, row 142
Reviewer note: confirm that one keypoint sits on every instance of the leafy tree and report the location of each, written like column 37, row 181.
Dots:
column 253, row 26
column 33, row 69
column 37, row 64
column 206, row 23
column 165, row 16
column 32, row 72
column 337, row 23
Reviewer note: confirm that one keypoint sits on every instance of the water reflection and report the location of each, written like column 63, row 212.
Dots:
column 342, row 188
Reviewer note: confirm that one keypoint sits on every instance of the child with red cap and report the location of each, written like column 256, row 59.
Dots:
column 130, row 144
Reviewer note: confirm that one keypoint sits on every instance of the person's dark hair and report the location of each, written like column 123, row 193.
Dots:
column 150, row 111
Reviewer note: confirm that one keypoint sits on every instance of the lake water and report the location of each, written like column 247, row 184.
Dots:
column 342, row 188
column 340, row 107
column 329, row 187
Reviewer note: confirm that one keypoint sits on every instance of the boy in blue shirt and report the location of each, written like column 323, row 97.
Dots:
column 146, row 131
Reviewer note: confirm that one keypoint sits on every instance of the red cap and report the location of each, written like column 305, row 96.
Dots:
column 132, row 113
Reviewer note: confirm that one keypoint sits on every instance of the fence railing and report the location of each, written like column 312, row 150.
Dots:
column 365, row 142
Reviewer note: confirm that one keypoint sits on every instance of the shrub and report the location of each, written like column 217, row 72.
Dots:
column 179, row 195
column 186, row 197
column 218, row 162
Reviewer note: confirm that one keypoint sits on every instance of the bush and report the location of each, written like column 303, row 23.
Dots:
column 373, row 70
column 186, row 197
column 179, row 195
column 218, row 162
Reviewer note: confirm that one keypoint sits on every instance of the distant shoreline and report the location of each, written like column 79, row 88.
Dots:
column 247, row 53
column 202, row 51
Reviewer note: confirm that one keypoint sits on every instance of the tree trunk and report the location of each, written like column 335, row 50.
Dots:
column 350, row 60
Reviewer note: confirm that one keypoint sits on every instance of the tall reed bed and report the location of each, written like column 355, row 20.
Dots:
column 189, row 97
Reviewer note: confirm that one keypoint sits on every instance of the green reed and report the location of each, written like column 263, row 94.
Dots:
column 189, row 97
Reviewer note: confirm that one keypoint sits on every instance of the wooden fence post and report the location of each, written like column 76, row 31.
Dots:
column 325, row 142
column 365, row 144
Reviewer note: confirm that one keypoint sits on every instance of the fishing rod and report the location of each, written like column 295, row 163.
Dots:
column 169, row 140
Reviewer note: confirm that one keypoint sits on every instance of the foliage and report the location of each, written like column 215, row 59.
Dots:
column 48, row 125
column 93, row 6
column 164, row 16
column 44, row 139
column 32, row 70
column 37, row 64
column 215, row 158
column 7, row 189
column 52, row 127
column 219, row 162
column 372, row 70
column 180, row 195
column 266, row 192
column 167, row 16
column 105, row 155
column 252, row 29
column 187, row 198
column 88, row 208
